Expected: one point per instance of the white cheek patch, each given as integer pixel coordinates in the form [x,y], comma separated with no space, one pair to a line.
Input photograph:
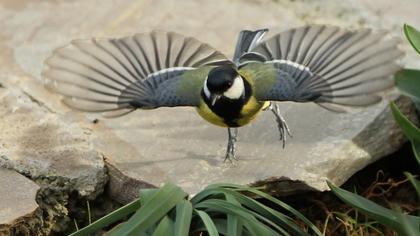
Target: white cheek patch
[206,90]
[236,90]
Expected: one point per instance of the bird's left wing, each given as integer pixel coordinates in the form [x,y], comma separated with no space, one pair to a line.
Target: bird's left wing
[326,65]
[116,76]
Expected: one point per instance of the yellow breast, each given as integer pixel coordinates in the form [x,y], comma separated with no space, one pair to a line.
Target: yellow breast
[248,113]
[250,110]
[206,113]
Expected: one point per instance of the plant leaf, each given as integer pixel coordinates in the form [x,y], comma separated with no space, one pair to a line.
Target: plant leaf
[389,218]
[147,194]
[112,230]
[183,218]
[153,210]
[413,36]
[408,128]
[415,144]
[208,192]
[414,182]
[234,226]
[165,227]
[254,226]
[215,188]
[265,212]
[211,228]
[199,227]
[408,82]
[109,219]
[288,208]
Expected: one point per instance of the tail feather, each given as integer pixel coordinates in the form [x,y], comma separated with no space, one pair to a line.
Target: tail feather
[247,40]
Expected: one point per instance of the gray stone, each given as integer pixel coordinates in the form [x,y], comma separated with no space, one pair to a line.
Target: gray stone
[175,144]
[155,147]
[53,151]
[47,147]
[18,207]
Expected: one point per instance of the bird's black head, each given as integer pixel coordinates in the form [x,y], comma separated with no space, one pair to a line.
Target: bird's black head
[223,82]
[221,78]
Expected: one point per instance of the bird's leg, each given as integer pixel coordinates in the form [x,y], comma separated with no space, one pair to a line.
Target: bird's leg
[231,145]
[281,123]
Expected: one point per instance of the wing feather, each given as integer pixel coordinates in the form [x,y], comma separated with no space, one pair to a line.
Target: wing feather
[120,75]
[326,64]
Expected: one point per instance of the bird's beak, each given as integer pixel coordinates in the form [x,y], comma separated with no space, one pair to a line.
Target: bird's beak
[214,98]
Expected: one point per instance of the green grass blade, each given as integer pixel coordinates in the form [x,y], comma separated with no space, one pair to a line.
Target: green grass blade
[220,224]
[234,226]
[207,193]
[415,144]
[414,182]
[254,190]
[235,187]
[210,227]
[254,226]
[153,210]
[408,227]
[413,36]
[221,228]
[381,214]
[269,214]
[165,227]
[287,208]
[109,219]
[110,232]
[183,218]
[147,194]
[408,82]
[408,128]
[275,228]
[377,212]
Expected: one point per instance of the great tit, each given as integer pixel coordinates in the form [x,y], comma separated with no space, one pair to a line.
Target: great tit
[327,65]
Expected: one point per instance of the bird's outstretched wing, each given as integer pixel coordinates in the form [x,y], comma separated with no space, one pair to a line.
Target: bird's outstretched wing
[326,65]
[117,76]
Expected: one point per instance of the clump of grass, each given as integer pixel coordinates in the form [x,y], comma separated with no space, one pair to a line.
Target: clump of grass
[222,209]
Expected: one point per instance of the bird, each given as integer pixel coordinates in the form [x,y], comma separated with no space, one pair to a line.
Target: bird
[332,67]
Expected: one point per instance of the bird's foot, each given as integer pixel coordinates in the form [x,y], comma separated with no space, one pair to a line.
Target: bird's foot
[231,146]
[281,123]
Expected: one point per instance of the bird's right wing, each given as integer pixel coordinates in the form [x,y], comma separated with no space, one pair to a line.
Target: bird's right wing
[117,76]
[326,65]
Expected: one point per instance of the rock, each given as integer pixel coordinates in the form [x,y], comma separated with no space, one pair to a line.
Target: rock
[54,152]
[175,145]
[45,147]
[189,152]
[19,212]
[122,188]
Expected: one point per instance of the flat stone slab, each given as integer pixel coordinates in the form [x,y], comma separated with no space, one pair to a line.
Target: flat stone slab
[178,146]
[46,147]
[17,198]
[175,144]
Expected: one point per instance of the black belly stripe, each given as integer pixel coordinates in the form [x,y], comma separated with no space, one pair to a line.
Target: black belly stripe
[230,109]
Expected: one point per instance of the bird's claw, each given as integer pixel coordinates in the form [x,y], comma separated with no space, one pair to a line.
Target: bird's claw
[281,123]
